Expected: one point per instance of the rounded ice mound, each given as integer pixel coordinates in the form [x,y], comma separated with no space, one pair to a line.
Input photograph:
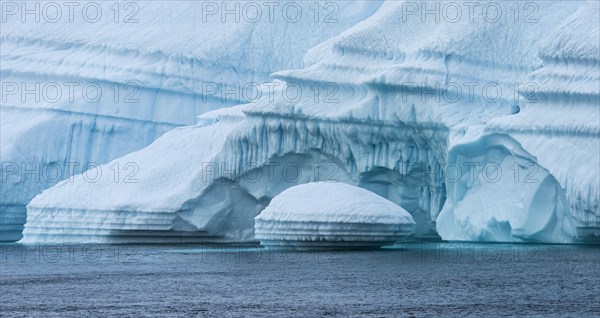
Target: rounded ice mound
[325,215]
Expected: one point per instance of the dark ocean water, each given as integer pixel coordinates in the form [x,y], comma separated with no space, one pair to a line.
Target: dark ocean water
[420,280]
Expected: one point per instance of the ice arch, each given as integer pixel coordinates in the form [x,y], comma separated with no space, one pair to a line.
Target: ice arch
[504,195]
[198,204]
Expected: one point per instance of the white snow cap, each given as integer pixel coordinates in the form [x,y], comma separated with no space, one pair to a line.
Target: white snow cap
[333,202]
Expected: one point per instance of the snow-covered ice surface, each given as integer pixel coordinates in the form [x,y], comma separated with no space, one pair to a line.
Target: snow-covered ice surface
[483,131]
[331,215]
[104,88]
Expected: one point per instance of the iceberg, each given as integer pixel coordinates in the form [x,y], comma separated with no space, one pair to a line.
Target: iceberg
[324,215]
[77,93]
[482,129]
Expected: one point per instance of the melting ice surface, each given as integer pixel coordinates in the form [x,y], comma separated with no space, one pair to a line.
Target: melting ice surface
[411,118]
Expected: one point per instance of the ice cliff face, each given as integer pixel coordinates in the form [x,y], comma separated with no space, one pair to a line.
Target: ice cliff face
[485,129]
[83,88]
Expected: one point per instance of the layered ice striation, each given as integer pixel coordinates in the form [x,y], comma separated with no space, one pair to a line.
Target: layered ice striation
[482,129]
[81,89]
[322,215]
[549,153]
